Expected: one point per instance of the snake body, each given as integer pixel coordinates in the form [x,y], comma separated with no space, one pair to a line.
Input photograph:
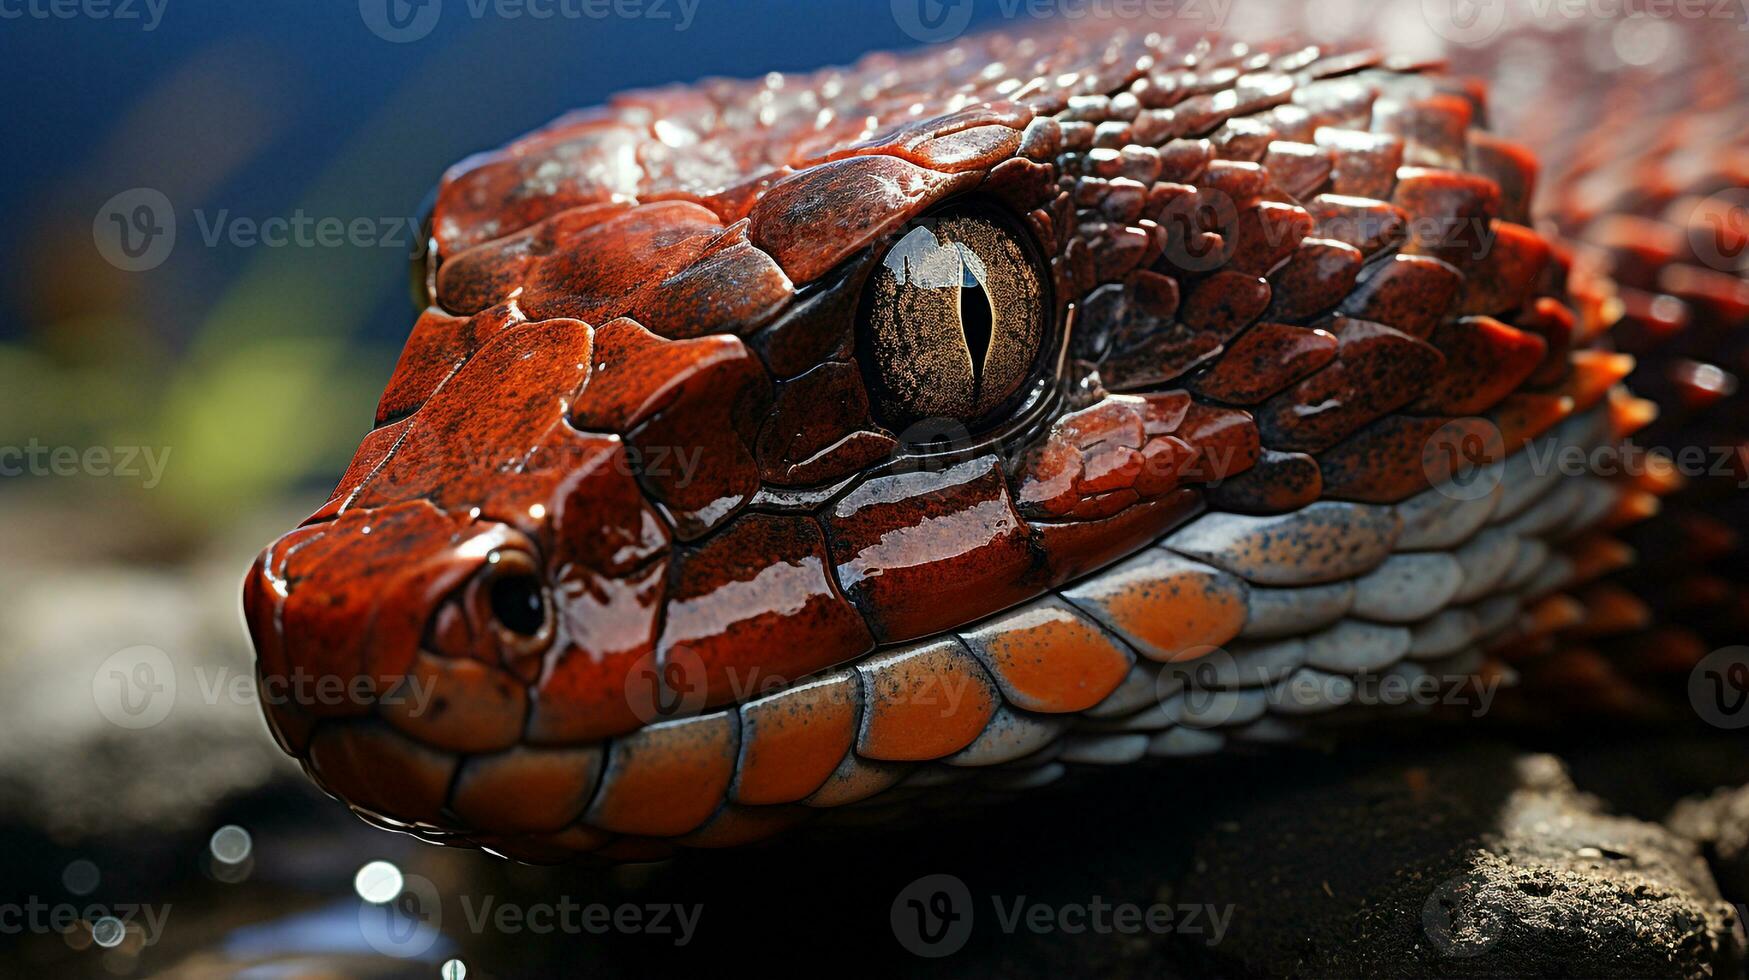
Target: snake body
[670,532]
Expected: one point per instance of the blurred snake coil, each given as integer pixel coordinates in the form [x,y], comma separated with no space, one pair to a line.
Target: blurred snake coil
[839,447]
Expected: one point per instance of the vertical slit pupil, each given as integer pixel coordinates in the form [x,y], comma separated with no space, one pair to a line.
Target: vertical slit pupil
[977,319]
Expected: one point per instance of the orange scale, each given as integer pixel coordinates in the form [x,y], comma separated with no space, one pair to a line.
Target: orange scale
[1593,374]
[525,790]
[793,740]
[1633,508]
[1596,555]
[1168,607]
[1485,360]
[856,779]
[1610,610]
[923,701]
[1628,414]
[666,779]
[1048,657]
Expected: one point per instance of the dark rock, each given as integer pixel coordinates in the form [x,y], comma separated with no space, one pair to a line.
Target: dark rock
[1482,862]
[1720,825]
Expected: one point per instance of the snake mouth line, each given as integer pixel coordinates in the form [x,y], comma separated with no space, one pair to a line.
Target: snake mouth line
[965,706]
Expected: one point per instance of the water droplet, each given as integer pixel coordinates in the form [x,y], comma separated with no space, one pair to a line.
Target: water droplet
[81,877]
[231,844]
[108,932]
[378,882]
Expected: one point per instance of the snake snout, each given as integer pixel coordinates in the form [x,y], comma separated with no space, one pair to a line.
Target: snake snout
[392,640]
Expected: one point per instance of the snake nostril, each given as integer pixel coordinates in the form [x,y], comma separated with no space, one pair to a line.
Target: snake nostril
[519,604]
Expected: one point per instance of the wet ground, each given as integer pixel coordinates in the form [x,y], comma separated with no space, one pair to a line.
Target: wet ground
[291,906]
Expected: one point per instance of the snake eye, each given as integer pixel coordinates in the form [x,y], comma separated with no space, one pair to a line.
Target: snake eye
[518,604]
[515,599]
[953,321]
[501,613]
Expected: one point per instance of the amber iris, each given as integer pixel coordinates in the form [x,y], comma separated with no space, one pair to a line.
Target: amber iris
[953,321]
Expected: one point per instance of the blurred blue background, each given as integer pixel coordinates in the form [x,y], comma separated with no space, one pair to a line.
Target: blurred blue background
[258,366]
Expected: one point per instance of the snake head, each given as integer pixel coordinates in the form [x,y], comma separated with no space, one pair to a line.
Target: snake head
[764,444]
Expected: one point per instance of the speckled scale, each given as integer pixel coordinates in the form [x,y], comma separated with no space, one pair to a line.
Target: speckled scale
[1314,279]
[1265,359]
[819,430]
[1376,370]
